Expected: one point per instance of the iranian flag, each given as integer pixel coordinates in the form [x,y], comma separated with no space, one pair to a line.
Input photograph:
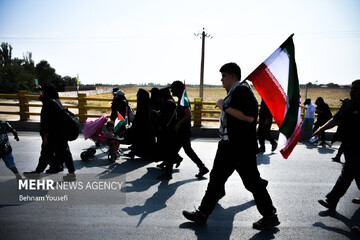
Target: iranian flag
[184,98]
[119,121]
[277,82]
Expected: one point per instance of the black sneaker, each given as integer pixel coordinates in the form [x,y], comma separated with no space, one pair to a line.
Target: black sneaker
[266,222]
[196,216]
[329,205]
[336,159]
[32,175]
[70,177]
[202,172]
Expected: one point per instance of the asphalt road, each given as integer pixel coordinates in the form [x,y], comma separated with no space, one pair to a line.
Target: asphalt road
[151,209]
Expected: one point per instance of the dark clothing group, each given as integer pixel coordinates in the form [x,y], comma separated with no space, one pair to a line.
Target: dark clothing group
[153,135]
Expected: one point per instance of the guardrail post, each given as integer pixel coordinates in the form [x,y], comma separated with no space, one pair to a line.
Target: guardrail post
[23,105]
[197,112]
[82,107]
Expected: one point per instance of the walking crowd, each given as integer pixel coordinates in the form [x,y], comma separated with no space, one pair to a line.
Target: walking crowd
[161,127]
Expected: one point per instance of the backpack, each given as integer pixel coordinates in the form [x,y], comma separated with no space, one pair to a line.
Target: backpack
[70,124]
[131,114]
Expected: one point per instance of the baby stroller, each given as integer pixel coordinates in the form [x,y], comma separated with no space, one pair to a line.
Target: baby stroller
[93,130]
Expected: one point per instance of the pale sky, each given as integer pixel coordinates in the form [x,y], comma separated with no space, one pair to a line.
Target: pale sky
[143,41]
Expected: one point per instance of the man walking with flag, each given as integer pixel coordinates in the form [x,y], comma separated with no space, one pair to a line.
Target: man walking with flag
[236,150]
[183,126]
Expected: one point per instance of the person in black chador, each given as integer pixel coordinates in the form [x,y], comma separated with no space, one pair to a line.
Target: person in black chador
[55,150]
[167,150]
[143,138]
[236,150]
[265,122]
[155,102]
[119,104]
[183,128]
[323,115]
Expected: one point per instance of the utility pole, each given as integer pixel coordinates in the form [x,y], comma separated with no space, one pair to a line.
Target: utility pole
[202,35]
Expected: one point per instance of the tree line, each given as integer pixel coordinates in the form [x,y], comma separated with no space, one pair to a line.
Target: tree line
[20,74]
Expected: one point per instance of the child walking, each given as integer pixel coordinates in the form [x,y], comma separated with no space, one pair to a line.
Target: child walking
[5,147]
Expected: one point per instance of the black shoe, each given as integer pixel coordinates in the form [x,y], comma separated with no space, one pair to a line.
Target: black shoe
[329,205]
[336,159]
[196,216]
[54,170]
[70,177]
[32,175]
[356,200]
[202,172]
[266,222]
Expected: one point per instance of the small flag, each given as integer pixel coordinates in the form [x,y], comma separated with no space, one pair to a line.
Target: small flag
[119,121]
[184,99]
[77,83]
[277,82]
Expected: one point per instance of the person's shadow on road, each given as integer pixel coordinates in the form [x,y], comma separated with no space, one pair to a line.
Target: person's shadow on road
[224,224]
[157,201]
[348,222]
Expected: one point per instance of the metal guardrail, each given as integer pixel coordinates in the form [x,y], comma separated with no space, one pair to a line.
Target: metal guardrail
[202,111]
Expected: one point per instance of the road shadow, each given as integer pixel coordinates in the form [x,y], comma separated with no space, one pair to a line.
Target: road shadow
[220,224]
[157,201]
[263,159]
[123,167]
[12,195]
[349,222]
[145,182]
[322,149]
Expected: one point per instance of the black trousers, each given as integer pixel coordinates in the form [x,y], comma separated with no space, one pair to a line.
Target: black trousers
[264,134]
[55,153]
[350,172]
[185,143]
[227,160]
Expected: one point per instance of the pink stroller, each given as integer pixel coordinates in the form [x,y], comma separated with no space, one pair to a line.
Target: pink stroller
[93,130]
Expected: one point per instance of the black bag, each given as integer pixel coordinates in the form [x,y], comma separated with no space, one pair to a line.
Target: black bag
[70,124]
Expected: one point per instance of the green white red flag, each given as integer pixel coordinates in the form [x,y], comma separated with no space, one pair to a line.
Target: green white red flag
[184,99]
[119,121]
[277,82]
